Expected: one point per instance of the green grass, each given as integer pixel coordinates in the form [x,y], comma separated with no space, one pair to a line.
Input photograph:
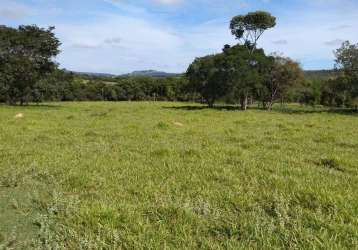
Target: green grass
[166,176]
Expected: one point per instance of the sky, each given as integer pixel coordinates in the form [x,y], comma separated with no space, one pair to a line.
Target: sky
[120,36]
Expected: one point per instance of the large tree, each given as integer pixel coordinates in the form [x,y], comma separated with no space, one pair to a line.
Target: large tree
[206,77]
[243,77]
[26,56]
[248,29]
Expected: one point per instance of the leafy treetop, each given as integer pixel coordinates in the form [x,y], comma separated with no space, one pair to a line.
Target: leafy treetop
[249,28]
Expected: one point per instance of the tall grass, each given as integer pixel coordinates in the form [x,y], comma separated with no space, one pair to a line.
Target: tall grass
[171,175]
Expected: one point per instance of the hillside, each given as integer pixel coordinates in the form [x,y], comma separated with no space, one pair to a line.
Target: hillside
[318,74]
[151,73]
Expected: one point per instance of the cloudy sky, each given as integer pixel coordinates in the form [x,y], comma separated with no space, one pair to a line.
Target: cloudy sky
[119,36]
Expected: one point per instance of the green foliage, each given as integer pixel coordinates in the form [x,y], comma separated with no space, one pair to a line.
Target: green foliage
[319,75]
[347,59]
[238,74]
[250,27]
[26,55]
[282,75]
[347,65]
[62,85]
[309,93]
[337,88]
[207,76]
[124,176]
[245,71]
[335,92]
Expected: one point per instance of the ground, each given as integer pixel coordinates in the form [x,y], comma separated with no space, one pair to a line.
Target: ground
[177,176]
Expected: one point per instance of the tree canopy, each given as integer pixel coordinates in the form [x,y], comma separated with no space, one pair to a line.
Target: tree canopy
[26,56]
[250,27]
[206,76]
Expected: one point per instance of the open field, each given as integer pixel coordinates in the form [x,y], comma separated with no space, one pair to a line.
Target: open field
[173,175]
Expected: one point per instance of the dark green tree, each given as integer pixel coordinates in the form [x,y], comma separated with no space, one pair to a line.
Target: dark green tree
[336,92]
[26,56]
[242,76]
[248,29]
[206,76]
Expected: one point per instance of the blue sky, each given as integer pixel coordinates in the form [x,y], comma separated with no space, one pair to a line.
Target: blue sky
[119,36]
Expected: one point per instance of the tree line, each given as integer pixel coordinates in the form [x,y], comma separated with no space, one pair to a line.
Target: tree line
[62,85]
[244,74]
[241,74]
[28,73]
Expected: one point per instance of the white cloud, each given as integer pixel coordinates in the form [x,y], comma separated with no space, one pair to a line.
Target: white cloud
[121,44]
[114,41]
[168,2]
[13,10]
[169,34]
[310,33]
[280,42]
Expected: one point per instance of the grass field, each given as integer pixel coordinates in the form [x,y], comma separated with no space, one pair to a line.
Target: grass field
[177,176]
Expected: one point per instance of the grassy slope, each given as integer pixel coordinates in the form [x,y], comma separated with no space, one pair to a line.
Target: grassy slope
[123,175]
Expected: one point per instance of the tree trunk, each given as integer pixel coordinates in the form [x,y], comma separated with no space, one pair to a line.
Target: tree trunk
[243,102]
[211,103]
[264,104]
[251,100]
[270,103]
[10,100]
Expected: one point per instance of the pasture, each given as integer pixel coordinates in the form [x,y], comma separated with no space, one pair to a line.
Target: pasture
[176,175]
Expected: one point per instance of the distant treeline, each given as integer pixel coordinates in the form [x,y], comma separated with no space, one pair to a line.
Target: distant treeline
[66,86]
[318,88]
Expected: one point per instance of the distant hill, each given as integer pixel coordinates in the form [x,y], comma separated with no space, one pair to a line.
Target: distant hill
[151,73]
[319,74]
[91,74]
[309,74]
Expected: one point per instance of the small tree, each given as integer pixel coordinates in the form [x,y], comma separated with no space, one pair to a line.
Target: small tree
[26,56]
[283,74]
[347,59]
[336,92]
[347,66]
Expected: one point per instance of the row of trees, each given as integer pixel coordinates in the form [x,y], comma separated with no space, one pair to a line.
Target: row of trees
[61,85]
[243,73]
[28,73]
[335,88]
[240,74]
